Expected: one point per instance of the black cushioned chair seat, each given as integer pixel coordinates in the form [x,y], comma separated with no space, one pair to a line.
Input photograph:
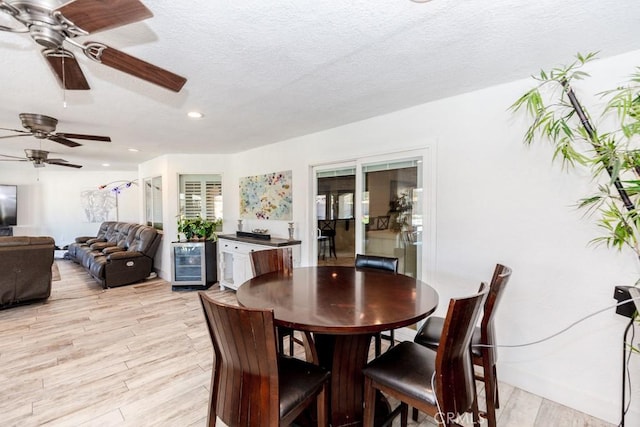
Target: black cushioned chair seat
[298,380]
[397,368]
[429,335]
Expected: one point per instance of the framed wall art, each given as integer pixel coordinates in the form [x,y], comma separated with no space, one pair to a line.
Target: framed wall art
[266,196]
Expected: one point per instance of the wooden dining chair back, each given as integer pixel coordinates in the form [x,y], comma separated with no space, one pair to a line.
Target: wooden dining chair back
[251,385]
[483,343]
[440,383]
[386,264]
[270,260]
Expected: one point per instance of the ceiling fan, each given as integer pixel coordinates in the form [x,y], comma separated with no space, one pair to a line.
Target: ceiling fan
[39,158]
[50,24]
[43,127]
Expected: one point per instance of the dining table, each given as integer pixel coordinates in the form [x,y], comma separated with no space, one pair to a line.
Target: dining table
[343,308]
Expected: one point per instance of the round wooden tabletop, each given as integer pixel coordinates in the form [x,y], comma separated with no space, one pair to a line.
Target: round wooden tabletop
[340,300]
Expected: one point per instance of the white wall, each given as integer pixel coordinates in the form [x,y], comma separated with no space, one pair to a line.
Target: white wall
[49,202]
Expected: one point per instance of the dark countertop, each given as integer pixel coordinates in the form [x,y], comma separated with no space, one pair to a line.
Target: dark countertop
[274,241]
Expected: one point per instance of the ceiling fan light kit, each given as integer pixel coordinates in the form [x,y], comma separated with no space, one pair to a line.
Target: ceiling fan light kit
[51,25]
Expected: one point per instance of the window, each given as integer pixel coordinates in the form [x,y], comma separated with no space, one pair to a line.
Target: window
[153,202]
[201,195]
[321,206]
[345,205]
[336,194]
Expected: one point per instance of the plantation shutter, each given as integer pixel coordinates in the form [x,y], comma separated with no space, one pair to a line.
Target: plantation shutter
[192,199]
[213,200]
[201,196]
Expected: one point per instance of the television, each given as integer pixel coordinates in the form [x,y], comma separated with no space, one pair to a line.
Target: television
[8,205]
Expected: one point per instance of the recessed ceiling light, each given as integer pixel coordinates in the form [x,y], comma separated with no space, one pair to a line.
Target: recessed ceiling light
[195,114]
[106,165]
[133,150]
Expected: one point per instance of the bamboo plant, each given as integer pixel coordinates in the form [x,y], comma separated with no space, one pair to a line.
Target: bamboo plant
[612,153]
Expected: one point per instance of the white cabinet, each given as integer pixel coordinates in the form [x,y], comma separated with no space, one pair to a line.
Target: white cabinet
[234,261]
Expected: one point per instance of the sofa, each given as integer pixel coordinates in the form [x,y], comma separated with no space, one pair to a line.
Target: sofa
[25,263]
[119,254]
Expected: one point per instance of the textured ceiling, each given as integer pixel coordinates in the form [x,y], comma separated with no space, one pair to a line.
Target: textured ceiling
[263,71]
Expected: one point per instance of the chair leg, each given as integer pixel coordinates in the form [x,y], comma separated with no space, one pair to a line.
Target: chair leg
[414,414]
[369,402]
[476,413]
[392,336]
[322,406]
[291,342]
[495,383]
[404,412]
[378,343]
[491,394]
[332,247]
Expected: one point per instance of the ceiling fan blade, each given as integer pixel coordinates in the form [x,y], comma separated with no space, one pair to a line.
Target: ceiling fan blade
[14,136]
[98,15]
[60,162]
[88,137]
[66,68]
[17,130]
[12,158]
[63,141]
[134,66]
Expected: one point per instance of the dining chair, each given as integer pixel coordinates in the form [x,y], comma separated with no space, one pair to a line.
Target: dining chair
[327,228]
[251,384]
[483,342]
[379,263]
[440,383]
[268,261]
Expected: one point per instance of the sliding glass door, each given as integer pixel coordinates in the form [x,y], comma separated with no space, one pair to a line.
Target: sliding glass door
[392,212]
[370,206]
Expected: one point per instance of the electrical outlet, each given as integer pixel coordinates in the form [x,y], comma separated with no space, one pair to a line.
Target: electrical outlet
[621,293]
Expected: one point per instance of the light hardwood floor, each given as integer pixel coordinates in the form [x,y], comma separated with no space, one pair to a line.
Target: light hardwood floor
[140,355]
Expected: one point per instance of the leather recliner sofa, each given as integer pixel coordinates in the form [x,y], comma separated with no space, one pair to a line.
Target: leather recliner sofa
[120,254]
[25,263]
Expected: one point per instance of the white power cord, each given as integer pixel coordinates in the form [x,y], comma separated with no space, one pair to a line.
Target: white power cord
[562,330]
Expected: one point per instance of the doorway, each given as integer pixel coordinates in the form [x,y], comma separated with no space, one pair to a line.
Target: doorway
[335,214]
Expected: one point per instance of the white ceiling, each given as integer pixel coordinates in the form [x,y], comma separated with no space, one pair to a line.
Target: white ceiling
[264,71]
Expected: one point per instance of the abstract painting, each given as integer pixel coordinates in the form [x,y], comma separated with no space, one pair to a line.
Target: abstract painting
[266,196]
[98,205]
